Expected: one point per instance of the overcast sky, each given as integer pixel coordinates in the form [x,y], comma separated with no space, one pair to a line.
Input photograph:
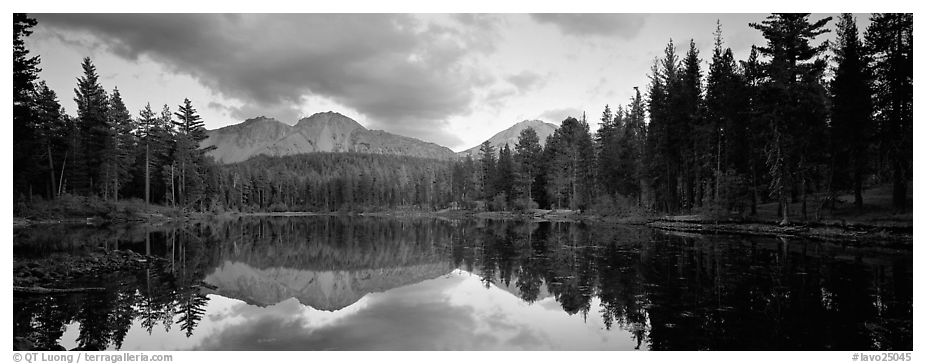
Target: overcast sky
[450,79]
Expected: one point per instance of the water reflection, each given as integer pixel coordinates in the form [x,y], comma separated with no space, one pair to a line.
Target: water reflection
[351,283]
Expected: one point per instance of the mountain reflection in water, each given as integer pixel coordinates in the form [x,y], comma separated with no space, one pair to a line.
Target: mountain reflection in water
[359,283]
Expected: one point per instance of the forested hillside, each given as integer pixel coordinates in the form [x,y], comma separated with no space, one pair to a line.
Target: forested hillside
[786,123]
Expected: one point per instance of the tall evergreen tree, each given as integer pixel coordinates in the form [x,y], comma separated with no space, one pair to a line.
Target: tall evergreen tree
[658,152]
[487,164]
[94,130]
[725,124]
[166,155]
[890,42]
[25,73]
[528,161]
[757,130]
[687,107]
[608,148]
[630,161]
[190,157]
[51,132]
[147,122]
[793,99]
[504,174]
[117,157]
[851,114]
[569,157]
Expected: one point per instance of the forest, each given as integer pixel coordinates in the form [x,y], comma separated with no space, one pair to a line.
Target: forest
[797,120]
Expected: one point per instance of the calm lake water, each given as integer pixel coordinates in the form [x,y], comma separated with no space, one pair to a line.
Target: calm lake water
[361,283]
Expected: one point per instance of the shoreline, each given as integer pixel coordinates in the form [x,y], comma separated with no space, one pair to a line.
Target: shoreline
[895,234]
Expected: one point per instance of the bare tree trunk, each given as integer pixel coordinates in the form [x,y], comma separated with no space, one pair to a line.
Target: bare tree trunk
[784,205]
[804,198]
[173,196]
[61,179]
[717,178]
[51,173]
[183,180]
[755,191]
[858,192]
[147,175]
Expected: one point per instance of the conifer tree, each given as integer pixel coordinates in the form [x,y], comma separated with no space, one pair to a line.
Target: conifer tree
[147,123]
[725,125]
[630,162]
[94,130]
[25,73]
[687,107]
[504,174]
[190,157]
[528,160]
[51,135]
[608,148]
[889,40]
[851,114]
[117,157]
[793,99]
[487,163]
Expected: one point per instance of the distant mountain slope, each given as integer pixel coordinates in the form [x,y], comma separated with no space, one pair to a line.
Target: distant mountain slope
[510,136]
[321,132]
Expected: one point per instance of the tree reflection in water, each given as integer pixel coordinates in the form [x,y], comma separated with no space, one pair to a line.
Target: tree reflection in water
[670,292]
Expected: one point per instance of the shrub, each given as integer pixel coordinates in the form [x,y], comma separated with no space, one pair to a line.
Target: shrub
[524,204]
[278,207]
[499,202]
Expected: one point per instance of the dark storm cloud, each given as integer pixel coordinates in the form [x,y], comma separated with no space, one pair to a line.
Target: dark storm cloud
[393,68]
[522,82]
[497,97]
[622,25]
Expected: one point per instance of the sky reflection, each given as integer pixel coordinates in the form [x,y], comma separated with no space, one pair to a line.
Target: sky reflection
[452,312]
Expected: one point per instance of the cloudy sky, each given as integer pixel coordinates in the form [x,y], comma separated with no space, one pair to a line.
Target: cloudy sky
[452,79]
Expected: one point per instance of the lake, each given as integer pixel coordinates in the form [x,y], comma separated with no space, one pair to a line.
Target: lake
[365,283]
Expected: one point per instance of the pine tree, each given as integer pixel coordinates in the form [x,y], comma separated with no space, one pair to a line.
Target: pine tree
[608,149]
[94,130]
[528,160]
[725,125]
[890,42]
[793,99]
[665,137]
[191,159]
[487,170]
[851,114]
[658,149]
[166,139]
[569,156]
[504,179]
[51,132]
[25,73]
[756,127]
[117,157]
[147,123]
[630,160]
[687,108]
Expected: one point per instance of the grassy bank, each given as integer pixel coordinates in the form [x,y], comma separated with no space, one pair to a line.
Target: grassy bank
[79,209]
[875,223]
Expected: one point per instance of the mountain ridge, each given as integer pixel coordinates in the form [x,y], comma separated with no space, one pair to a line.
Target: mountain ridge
[321,132]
